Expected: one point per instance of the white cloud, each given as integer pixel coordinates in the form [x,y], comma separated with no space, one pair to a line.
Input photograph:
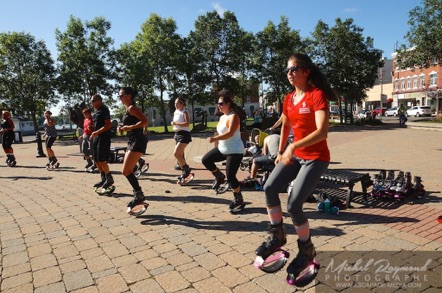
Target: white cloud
[219,9]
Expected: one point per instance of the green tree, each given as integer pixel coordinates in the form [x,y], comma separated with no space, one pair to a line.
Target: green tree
[424,36]
[86,60]
[159,44]
[347,59]
[26,75]
[191,82]
[275,44]
[133,70]
[217,41]
[246,77]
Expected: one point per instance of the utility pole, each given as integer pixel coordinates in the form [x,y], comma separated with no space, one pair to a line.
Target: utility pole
[381,67]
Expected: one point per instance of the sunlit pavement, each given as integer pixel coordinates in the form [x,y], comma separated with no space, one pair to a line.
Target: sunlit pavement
[58,235]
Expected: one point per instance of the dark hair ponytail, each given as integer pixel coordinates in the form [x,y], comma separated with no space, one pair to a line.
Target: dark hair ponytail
[316,78]
[228,98]
[130,91]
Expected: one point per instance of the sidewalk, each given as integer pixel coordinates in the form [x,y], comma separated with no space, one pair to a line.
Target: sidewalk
[58,235]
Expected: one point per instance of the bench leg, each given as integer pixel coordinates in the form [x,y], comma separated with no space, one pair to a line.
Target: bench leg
[364,190]
[349,195]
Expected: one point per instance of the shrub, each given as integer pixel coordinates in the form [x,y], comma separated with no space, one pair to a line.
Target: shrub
[437,119]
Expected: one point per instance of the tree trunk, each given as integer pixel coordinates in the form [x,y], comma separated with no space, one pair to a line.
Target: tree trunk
[163,112]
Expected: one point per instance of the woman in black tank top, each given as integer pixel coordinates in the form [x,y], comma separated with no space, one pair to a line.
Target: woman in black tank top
[134,122]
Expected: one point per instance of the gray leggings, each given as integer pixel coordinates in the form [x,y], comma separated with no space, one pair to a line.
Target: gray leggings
[306,175]
[86,145]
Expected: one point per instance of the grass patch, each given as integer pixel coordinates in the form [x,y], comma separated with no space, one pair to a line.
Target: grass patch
[211,126]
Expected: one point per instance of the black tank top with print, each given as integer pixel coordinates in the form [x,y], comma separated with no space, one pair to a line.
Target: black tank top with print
[132,120]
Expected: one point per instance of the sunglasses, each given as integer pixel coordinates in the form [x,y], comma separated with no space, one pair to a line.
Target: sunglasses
[221,104]
[291,69]
[93,101]
[122,96]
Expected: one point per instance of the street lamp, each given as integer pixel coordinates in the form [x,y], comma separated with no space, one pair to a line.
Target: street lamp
[381,67]
[172,101]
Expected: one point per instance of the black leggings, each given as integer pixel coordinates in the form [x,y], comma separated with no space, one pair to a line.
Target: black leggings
[232,164]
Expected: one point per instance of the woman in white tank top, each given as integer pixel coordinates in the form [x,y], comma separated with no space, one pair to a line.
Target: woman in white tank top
[230,148]
[180,123]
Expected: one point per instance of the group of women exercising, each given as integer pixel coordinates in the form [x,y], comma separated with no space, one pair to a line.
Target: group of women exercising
[305,113]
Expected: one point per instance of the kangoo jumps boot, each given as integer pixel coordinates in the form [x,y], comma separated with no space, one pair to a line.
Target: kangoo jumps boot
[137,206]
[304,258]
[276,240]
[237,203]
[138,199]
[219,179]
[100,183]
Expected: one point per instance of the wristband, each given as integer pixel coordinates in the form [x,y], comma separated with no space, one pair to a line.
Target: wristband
[280,152]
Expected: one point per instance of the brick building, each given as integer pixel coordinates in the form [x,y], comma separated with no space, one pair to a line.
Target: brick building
[418,87]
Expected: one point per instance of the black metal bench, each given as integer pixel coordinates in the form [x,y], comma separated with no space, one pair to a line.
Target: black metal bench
[117,154]
[67,135]
[348,179]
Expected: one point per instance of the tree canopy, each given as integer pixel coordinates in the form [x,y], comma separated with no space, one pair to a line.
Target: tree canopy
[424,37]
[85,60]
[347,58]
[26,75]
[217,54]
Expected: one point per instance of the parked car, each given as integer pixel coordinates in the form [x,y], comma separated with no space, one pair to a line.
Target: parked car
[380,112]
[418,111]
[363,114]
[391,112]
[334,112]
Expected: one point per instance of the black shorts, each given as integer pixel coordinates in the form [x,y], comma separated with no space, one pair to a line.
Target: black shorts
[137,145]
[8,138]
[50,141]
[183,136]
[101,148]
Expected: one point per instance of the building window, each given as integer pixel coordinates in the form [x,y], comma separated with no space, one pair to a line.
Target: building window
[396,84]
[433,79]
[408,82]
[422,80]
[402,84]
[415,82]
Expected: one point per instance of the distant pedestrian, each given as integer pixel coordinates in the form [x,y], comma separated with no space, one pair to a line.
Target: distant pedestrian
[7,131]
[50,136]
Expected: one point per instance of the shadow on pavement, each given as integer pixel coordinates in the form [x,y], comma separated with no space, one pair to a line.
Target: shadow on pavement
[233,225]
[26,177]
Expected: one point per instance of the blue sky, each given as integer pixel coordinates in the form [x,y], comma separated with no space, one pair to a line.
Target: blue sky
[385,21]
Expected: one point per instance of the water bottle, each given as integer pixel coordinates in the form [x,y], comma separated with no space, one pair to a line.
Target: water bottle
[334,210]
[327,205]
[247,144]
